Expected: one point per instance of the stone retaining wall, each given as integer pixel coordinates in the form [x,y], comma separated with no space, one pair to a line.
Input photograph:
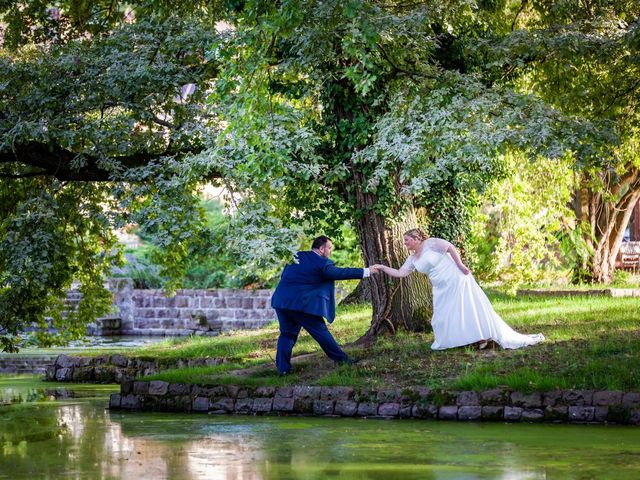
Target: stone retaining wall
[11,363]
[187,312]
[574,406]
[198,312]
[114,368]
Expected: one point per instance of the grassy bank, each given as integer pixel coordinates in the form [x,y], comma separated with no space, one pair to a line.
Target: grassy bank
[592,343]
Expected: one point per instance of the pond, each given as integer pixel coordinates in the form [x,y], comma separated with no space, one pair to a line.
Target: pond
[51,432]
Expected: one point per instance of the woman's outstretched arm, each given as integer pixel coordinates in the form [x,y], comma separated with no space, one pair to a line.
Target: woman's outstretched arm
[392,272]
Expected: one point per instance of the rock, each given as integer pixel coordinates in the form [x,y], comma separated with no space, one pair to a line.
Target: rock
[126,387]
[367,409]
[104,374]
[130,402]
[119,360]
[262,405]
[495,396]
[532,415]
[140,388]
[284,392]
[179,403]
[512,414]
[200,404]
[303,391]
[558,413]
[552,398]
[581,414]
[283,404]
[424,410]
[303,405]
[345,408]
[323,407]
[389,409]
[266,392]
[65,361]
[467,399]
[470,412]
[600,414]
[243,405]
[491,412]
[336,393]
[158,387]
[448,412]
[578,398]
[224,404]
[607,398]
[405,411]
[114,401]
[631,400]
[64,374]
[82,374]
[531,400]
[179,389]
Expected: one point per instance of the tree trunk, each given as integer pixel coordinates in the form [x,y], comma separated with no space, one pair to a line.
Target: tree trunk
[397,303]
[360,294]
[607,215]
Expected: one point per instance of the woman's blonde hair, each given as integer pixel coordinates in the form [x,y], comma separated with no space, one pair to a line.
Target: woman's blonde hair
[416,233]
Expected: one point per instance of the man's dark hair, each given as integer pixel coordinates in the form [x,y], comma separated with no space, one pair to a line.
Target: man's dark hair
[320,241]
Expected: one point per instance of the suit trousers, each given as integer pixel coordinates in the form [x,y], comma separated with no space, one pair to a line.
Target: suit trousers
[291,321]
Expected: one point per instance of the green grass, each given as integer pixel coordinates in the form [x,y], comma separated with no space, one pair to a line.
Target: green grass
[592,343]
[621,279]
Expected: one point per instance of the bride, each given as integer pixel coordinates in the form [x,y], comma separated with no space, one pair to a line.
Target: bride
[462,313]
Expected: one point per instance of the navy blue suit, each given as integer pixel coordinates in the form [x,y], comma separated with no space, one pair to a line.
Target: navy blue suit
[304,295]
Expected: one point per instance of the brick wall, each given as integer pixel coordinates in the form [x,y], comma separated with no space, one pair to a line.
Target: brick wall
[188,312]
[200,312]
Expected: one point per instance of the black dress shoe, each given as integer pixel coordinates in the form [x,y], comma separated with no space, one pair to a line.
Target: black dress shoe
[348,361]
[284,374]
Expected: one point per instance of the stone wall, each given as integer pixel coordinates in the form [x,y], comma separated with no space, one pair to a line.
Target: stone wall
[188,312]
[199,312]
[114,368]
[573,406]
[15,363]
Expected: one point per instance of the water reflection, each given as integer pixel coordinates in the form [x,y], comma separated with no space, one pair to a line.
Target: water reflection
[76,437]
[114,341]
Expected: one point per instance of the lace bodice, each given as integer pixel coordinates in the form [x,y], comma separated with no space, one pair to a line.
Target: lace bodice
[433,250]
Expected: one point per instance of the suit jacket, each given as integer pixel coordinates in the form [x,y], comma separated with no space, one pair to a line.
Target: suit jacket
[308,285]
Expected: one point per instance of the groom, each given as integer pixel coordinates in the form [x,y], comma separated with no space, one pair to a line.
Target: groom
[304,296]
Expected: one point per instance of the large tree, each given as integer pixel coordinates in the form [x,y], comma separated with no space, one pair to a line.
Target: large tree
[310,113]
[360,110]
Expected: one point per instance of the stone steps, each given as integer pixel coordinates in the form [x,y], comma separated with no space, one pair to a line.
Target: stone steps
[21,364]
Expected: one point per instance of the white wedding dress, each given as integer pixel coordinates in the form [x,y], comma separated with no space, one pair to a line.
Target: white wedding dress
[462,313]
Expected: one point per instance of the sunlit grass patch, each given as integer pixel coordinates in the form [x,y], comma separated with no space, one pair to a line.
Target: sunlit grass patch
[343,375]
[592,343]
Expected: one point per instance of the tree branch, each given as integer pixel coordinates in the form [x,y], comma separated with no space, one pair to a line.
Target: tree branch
[16,176]
[515,19]
[411,73]
[618,95]
[55,161]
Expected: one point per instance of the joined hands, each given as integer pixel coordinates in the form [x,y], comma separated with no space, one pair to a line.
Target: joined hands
[377,268]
